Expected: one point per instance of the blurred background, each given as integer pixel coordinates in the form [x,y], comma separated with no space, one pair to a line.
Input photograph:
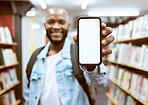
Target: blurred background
[129,20]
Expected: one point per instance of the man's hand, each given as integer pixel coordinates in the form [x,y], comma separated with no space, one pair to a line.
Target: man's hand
[106,39]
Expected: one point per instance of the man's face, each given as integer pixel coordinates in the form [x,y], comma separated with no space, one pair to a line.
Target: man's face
[56,25]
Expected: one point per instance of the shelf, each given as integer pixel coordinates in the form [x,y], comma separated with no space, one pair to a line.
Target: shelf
[135,41]
[7,45]
[130,66]
[17,102]
[126,91]
[111,98]
[8,66]
[7,89]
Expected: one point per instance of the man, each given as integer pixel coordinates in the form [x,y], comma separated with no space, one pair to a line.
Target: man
[52,81]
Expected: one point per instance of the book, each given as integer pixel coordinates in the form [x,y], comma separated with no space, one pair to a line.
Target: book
[133,85]
[120,74]
[137,27]
[145,59]
[144,90]
[7,35]
[2,35]
[8,98]
[121,98]
[13,76]
[145,26]
[1,57]
[8,78]
[124,55]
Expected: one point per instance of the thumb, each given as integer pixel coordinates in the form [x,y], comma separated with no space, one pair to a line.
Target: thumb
[75,38]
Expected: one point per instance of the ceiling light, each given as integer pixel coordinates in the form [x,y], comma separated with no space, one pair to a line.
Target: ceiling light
[42,4]
[113,13]
[30,13]
[84,4]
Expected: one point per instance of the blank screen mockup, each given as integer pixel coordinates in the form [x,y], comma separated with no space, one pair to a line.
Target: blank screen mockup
[89,41]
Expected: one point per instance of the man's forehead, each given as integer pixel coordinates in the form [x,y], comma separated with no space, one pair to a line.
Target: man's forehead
[57,12]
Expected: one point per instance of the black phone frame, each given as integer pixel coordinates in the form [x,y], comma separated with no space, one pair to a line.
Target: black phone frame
[100,41]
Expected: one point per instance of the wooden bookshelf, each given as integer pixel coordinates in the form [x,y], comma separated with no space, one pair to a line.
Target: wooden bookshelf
[7,89]
[8,66]
[141,40]
[112,99]
[17,102]
[144,71]
[7,45]
[127,92]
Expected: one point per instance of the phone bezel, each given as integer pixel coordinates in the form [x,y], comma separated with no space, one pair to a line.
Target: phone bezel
[100,41]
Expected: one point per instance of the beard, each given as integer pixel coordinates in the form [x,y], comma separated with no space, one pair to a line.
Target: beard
[56,42]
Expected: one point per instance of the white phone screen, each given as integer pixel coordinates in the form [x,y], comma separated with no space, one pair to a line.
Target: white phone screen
[89,41]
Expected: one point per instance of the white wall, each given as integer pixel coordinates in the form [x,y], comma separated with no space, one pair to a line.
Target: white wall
[38,39]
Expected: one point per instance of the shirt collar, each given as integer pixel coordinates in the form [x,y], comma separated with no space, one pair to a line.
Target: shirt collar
[64,54]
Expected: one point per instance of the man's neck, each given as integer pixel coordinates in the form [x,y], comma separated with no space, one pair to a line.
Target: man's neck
[53,49]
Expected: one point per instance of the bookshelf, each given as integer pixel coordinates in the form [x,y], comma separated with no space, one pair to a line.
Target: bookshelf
[6,69]
[141,40]
[11,13]
[7,66]
[8,89]
[8,45]
[128,64]
[17,102]
[127,92]
[132,68]
[111,98]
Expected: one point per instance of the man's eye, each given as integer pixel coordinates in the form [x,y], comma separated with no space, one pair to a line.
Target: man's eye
[62,22]
[50,22]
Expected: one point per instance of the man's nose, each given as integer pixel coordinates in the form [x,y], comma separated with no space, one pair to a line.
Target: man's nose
[56,26]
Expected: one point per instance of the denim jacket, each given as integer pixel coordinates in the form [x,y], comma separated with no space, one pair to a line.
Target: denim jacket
[70,91]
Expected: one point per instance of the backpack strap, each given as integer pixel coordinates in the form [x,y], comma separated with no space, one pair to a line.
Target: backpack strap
[31,63]
[78,72]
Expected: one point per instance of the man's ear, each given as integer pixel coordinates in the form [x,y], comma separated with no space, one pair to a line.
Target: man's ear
[45,25]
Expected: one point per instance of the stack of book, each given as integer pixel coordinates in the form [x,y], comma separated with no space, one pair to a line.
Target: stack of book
[8,78]
[131,55]
[133,83]
[120,97]
[7,56]
[5,35]
[133,29]
[8,98]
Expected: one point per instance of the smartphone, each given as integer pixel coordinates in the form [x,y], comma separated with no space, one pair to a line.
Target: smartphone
[89,41]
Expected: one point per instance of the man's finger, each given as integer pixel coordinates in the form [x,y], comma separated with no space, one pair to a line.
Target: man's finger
[108,40]
[106,51]
[103,25]
[75,38]
[106,32]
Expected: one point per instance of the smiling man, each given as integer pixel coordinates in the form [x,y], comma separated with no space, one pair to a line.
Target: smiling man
[52,81]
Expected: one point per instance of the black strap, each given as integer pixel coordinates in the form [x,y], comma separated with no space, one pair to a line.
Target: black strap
[76,69]
[31,63]
[78,72]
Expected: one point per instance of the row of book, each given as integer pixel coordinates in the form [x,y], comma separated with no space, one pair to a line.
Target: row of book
[133,29]
[7,56]
[120,97]
[8,78]
[131,55]
[5,35]
[8,98]
[136,84]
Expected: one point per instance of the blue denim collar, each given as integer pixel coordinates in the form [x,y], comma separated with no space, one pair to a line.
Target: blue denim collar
[65,50]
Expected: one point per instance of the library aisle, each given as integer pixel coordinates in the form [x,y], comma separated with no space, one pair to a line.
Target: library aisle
[22,31]
[128,64]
